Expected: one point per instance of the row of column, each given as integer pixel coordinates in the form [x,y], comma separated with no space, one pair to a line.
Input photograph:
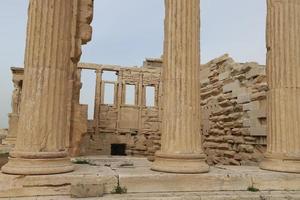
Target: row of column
[40,147]
[181,143]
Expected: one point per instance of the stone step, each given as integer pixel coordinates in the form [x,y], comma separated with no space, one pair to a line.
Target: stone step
[274,195]
[140,179]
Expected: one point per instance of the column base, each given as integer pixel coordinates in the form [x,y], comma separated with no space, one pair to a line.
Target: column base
[23,166]
[280,165]
[180,163]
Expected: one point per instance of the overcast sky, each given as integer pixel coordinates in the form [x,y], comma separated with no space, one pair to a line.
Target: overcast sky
[127,31]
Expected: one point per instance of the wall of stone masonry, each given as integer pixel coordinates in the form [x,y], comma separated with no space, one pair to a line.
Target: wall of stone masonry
[233,111]
[3,134]
[137,126]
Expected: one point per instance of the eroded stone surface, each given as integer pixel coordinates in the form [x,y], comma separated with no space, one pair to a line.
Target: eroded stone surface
[136,126]
[181,147]
[283,152]
[18,76]
[85,190]
[233,111]
[141,179]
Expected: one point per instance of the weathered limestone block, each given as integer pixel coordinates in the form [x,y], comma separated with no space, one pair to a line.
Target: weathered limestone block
[246,148]
[3,134]
[79,129]
[83,17]
[13,117]
[82,190]
[243,98]
[231,115]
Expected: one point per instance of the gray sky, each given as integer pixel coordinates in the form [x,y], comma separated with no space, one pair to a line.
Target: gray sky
[127,31]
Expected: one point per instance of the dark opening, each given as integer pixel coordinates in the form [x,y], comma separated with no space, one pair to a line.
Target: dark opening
[118,149]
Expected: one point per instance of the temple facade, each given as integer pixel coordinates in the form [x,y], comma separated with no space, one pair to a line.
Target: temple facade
[178,130]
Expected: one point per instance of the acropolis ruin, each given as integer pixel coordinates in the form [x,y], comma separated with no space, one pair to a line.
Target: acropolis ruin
[172,128]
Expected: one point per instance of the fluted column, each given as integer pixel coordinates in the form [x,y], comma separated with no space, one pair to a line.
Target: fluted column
[283,66]
[181,150]
[42,128]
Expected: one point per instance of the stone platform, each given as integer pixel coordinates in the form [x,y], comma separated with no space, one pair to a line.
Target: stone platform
[4,152]
[135,175]
[231,195]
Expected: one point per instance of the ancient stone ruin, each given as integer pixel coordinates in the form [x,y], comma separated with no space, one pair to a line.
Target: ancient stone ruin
[200,119]
[233,112]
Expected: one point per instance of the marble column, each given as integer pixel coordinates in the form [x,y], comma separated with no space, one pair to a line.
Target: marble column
[42,128]
[283,70]
[181,149]
[98,100]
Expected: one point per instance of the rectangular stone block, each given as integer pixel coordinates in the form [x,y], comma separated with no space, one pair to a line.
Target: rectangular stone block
[247,107]
[87,190]
[4,152]
[243,98]
[224,75]
[231,86]
[247,123]
[256,71]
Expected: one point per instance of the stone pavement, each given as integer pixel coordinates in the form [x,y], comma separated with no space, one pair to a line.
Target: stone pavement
[141,183]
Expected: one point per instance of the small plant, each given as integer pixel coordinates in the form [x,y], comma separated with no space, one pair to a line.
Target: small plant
[252,189]
[119,190]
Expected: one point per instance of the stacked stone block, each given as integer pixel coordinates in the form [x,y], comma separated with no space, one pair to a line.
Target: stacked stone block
[234,111]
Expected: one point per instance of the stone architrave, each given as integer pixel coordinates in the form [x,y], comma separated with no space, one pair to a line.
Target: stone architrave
[181,148]
[52,52]
[283,72]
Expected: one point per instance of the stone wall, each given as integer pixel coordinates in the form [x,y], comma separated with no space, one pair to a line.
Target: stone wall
[13,117]
[3,134]
[233,111]
[135,125]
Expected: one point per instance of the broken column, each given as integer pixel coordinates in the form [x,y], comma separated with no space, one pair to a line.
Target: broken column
[181,148]
[51,56]
[283,68]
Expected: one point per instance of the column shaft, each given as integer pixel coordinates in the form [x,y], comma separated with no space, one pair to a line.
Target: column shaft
[42,128]
[283,70]
[181,137]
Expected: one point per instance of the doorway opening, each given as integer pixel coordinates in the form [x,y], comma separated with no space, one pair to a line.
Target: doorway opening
[118,149]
